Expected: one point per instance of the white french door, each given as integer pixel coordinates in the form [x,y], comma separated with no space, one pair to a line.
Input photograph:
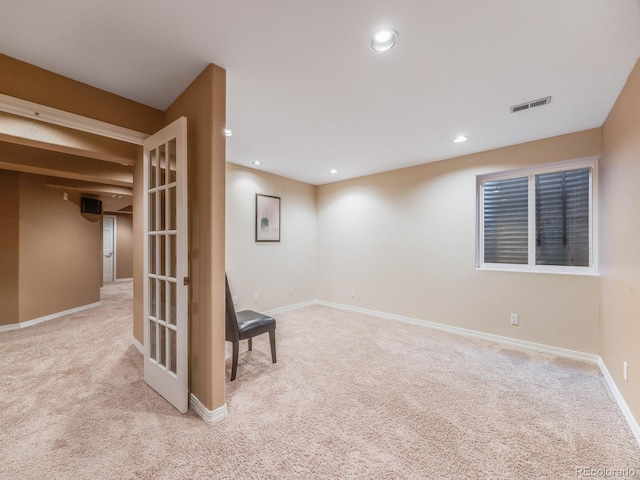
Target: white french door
[166,290]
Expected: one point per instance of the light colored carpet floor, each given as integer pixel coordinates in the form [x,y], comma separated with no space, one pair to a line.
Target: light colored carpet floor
[351,396]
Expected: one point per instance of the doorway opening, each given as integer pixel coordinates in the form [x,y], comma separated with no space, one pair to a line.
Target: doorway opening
[109,225]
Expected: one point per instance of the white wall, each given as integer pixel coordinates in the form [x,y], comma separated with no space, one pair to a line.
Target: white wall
[405,241]
[269,269]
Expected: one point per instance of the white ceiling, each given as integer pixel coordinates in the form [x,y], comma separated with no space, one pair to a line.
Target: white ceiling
[306,93]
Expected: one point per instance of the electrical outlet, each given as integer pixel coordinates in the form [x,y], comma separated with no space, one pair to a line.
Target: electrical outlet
[255,298]
[515,319]
[625,370]
[353,292]
[290,290]
[235,300]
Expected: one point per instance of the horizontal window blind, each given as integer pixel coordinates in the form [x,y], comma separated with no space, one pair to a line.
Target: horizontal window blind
[506,221]
[562,218]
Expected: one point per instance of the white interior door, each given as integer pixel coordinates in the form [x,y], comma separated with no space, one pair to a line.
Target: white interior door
[166,263]
[108,248]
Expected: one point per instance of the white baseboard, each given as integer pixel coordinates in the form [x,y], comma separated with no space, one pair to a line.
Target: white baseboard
[117,280]
[46,318]
[137,344]
[635,428]
[539,347]
[295,306]
[209,416]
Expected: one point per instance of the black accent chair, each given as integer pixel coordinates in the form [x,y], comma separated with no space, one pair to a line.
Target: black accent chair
[245,325]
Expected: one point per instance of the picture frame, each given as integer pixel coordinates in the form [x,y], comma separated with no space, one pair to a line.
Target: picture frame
[267,218]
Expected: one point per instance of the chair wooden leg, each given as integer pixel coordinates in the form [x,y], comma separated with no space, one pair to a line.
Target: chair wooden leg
[272,341]
[234,361]
[250,344]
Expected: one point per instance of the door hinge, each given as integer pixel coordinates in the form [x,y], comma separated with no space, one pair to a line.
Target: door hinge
[187,281]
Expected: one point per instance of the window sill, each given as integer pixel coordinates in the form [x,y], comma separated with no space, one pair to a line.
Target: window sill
[587,272]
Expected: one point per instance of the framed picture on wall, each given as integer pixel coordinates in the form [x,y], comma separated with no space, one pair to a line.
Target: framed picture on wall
[267,218]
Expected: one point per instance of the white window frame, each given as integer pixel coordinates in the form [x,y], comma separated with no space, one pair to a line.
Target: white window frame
[531,172]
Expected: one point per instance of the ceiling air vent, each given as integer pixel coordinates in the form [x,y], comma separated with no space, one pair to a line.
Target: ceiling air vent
[531,104]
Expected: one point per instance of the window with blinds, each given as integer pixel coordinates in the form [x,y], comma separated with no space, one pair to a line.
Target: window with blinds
[506,221]
[538,220]
[562,218]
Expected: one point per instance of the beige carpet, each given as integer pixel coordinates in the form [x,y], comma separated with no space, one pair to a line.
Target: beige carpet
[351,397]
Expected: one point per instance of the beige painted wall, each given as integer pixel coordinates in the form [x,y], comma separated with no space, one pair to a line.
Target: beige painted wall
[405,241]
[619,241]
[9,246]
[138,246]
[269,269]
[60,252]
[124,246]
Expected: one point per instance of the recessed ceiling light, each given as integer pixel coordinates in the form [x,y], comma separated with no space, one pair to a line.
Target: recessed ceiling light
[333,170]
[257,163]
[384,40]
[228,133]
[460,139]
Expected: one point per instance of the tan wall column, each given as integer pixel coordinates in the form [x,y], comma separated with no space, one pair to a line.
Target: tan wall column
[204,105]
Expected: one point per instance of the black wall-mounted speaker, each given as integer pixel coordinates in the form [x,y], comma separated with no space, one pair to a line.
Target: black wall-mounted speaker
[91,205]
